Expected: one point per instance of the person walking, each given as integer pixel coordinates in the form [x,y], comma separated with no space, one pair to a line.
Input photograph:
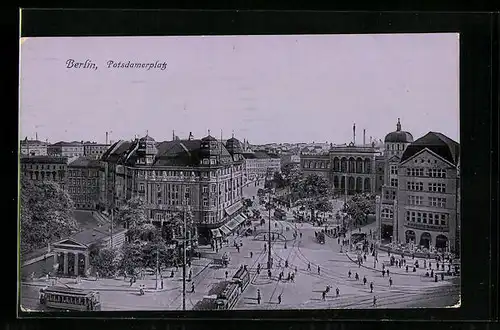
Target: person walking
[387,272]
[192,287]
[371,287]
[364,280]
[356,277]
[337,291]
[279,299]
[227,273]
[383,272]
[349,274]
[309,266]
[390,281]
[374,301]
[251,254]
[323,295]
[258,296]
[319,270]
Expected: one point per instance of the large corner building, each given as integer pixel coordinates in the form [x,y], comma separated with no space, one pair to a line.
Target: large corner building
[202,175]
[420,200]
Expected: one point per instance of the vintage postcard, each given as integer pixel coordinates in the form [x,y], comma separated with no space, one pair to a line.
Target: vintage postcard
[239,172]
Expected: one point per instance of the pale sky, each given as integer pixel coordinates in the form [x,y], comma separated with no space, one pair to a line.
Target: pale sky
[264,88]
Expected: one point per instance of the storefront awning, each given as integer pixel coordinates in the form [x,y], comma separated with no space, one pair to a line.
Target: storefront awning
[225,231]
[233,208]
[215,233]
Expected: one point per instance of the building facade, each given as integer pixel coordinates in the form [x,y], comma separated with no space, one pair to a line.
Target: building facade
[395,144]
[84,183]
[350,167]
[33,148]
[204,176]
[259,164]
[70,150]
[423,209]
[45,168]
[94,150]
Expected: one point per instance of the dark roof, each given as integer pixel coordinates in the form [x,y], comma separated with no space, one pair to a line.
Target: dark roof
[261,155]
[401,137]
[94,235]
[437,143]
[233,145]
[44,160]
[209,138]
[249,155]
[84,162]
[23,142]
[398,135]
[146,138]
[63,143]
[116,150]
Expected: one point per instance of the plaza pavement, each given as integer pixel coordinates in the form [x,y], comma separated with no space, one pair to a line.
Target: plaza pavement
[408,289]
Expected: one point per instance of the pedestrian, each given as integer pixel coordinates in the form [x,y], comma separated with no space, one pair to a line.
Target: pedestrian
[364,280]
[383,272]
[435,278]
[190,274]
[407,268]
[269,273]
[323,294]
[258,296]
[390,281]
[292,277]
[192,287]
[414,269]
[432,273]
[308,266]
[337,291]
[442,276]
[371,287]
[349,274]
[356,277]
[300,234]
[374,301]
[279,299]
[226,273]
[265,245]
[161,283]
[279,277]
[251,254]
[387,272]
[295,269]
[319,270]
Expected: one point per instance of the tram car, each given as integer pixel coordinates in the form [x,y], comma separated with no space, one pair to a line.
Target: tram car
[228,298]
[222,260]
[242,277]
[70,299]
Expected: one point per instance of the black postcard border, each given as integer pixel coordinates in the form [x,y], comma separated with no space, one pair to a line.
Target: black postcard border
[478,124]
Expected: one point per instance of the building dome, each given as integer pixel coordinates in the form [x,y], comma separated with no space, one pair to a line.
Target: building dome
[146,138]
[233,145]
[208,138]
[147,145]
[398,136]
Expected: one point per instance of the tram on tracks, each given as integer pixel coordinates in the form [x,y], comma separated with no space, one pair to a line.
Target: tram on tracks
[71,299]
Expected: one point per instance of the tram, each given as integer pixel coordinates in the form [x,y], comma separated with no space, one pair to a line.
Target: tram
[72,299]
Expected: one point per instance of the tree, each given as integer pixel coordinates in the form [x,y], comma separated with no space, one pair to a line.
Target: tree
[308,190]
[133,216]
[323,205]
[105,263]
[359,206]
[46,214]
[278,180]
[132,258]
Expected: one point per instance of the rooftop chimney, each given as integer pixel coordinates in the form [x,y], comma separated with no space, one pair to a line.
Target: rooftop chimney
[354,134]
[364,136]
[106,138]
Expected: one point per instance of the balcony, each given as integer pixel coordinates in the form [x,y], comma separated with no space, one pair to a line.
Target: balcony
[426,226]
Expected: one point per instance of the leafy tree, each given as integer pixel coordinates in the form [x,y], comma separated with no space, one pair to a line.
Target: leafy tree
[46,214]
[133,216]
[359,206]
[105,263]
[279,180]
[132,258]
[308,190]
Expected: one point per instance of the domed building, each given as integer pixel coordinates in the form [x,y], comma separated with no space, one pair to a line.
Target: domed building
[396,142]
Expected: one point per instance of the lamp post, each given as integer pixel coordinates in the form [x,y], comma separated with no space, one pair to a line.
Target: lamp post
[269,234]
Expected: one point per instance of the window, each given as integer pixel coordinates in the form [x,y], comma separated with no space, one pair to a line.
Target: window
[394,182]
[205,189]
[205,202]
[416,186]
[436,173]
[415,200]
[387,214]
[437,187]
[394,169]
[443,219]
[141,187]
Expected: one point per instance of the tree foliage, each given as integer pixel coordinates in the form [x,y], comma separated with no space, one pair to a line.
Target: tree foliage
[279,180]
[359,206]
[46,214]
[105,263]
[311,192]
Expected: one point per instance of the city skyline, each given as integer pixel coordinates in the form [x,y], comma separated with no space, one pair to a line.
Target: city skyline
[313,88]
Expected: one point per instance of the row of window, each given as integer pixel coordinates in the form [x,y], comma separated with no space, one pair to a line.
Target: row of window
[427,217]
[83,181]
[82,189]
[84,173]
[432,201]
[431,186]
[205,174]
[430,172]
[42,167]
